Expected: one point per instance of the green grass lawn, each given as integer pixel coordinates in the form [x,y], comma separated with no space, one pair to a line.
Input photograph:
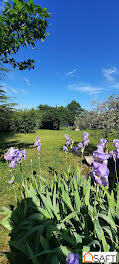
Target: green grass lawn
[51,156]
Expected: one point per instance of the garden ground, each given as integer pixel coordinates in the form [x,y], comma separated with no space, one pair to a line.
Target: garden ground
[51,156]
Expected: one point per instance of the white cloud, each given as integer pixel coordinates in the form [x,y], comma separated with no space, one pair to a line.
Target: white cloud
[115,85]
[86,89]
[23,91]
[27,81]
[9,90]
[13,90]
[71,73]
[109,72]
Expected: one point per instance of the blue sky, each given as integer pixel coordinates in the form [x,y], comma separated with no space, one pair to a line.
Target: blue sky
[78,61]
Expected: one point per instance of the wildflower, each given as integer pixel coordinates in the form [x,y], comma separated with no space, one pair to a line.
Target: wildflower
[80,145]
[67,140]
[72,258]
[14,156]
[85,138]
[65,148]
[115,153]
[24,154]
[12,180]
[85,134]
[12,164]
[112,154]
[100,155]
[66,136]
[86,142]
[100,171]
[37,143]
[99,180]
[74,150]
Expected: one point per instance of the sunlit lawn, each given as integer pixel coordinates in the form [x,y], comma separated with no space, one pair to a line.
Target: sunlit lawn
[51,156]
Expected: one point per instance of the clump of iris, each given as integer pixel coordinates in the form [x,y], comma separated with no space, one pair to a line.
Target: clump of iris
[72,258]
[14,156]
[100,171]
[115,153]
[37,143]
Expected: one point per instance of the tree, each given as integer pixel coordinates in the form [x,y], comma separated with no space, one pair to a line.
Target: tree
[51,118]
[105,117]
[22,24]
[74,109]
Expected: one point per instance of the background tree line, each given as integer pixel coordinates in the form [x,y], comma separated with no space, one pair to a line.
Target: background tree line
[44,117]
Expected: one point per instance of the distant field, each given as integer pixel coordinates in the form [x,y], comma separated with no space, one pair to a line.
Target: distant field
[51,156]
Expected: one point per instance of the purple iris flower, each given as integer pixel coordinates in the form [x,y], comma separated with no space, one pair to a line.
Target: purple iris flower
[12,164]
[10,154]
[74,150]
[99,180]
[115,141]
[100,147]
[100,155]
[85,138]
[37,143]
[85,134]
[66,137]
[80,145]
[65,148]
[14,156]
[103,141]
[112,154]
[24,153]
[86,142]
[100,169]
[72,258]
[11,181]
[67,142]
[115,153]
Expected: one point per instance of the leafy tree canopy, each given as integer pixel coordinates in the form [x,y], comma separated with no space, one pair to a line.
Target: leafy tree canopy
[74,109]
[22,23]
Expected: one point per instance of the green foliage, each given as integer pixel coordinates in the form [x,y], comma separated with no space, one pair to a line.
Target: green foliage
[53,117]
[104,117]
[22,23]
[19,121]
[23,121]
[73,109]
[66,215]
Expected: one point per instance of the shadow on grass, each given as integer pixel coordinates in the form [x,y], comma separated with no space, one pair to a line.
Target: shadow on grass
[5,144]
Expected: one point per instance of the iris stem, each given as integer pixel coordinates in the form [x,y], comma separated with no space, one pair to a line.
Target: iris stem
[116,170]
[21,172]
[67,164]
[14,190]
